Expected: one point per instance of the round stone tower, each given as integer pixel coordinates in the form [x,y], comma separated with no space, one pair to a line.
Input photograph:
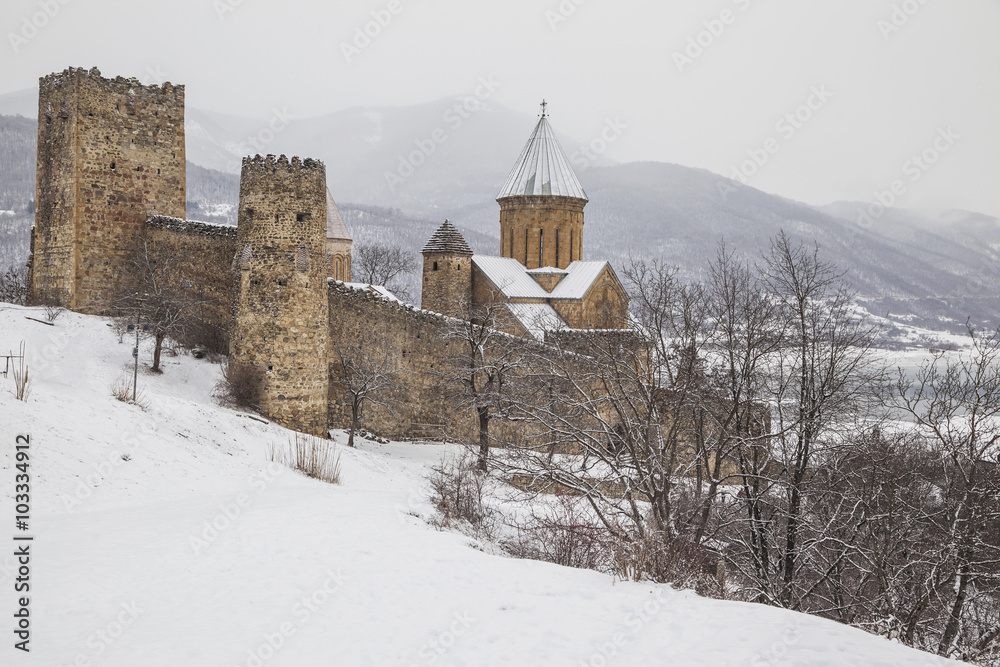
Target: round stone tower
[281,305]
[447,284]
[541,204]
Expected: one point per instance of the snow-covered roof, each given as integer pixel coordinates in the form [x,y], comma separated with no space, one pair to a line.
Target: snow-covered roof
[547,270]
[542,168]
[448,239]
[336,228]
[515,282]
[536,318]
[581,275]
[510,277]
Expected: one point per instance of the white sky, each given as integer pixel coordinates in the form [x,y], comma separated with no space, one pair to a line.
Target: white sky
[607,60]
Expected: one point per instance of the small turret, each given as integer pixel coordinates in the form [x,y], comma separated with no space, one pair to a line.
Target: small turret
[447,284]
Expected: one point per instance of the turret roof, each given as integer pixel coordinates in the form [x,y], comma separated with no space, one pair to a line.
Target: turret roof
[447,239]
[542,169]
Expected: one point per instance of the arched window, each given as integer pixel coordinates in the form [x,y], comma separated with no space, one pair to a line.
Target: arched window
[435,267]
[338,271]
[541,245]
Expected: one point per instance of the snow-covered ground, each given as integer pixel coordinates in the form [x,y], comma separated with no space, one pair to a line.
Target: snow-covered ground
[164,536]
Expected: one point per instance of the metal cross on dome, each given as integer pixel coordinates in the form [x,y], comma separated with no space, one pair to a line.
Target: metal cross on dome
[544,104]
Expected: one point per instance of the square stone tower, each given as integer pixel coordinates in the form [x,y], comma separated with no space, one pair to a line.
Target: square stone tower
[110,154]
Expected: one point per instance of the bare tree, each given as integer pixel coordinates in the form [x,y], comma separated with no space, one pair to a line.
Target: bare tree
[368,377]
[380,264]
[955,402]
[826,375]
[485,365]
[154,294]
[14,285]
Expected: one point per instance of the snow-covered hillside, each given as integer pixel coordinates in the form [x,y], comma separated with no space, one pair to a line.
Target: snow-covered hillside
[164,536]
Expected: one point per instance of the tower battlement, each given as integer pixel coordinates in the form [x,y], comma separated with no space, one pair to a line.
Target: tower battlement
[271,164]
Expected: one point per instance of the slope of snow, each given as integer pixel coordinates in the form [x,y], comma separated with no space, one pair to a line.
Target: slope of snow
[164,536]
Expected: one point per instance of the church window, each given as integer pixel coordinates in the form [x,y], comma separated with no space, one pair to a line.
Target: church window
[435,267]
[557,247]
[541,245]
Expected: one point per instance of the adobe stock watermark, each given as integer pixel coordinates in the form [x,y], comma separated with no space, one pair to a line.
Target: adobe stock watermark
[787,126]
[85,487]
[454,117]
[438,645]
[913,169]
[589,153]
[32,24]
[777,652]
[257,143]
[899,17]
[302,612]
[714,28]
[634,623]
[365,34]
[562,13]
[230,511]
[223,7]
[101,640]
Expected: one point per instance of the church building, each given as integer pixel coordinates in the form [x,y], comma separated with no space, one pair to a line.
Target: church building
[540,276]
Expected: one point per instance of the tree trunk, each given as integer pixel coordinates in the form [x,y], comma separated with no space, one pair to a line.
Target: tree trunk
[484,436]
[354,424]
[156,352]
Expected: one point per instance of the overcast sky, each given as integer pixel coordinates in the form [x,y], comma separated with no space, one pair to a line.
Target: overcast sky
[887,80]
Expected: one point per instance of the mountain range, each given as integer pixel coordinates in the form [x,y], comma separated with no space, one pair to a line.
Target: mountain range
[397,172]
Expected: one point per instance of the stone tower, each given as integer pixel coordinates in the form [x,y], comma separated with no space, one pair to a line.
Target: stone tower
[541,205]
[338,242]
[281,307]
[110,154]
[447,284]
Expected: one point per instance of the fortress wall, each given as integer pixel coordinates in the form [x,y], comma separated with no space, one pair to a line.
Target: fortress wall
[202,255]
[423,400]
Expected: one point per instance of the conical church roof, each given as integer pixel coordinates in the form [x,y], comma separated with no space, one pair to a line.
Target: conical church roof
[447,239]
[336,228]
[542,169]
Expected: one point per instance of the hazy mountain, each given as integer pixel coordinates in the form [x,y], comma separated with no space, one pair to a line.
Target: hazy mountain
[398,172]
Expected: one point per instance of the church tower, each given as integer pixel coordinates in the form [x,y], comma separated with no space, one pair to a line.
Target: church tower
[541,204]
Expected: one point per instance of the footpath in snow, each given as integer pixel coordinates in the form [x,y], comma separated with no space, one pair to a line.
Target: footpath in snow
[164,537]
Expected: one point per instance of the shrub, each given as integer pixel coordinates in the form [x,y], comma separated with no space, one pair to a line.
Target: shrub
[122,390]
[20,373]
[459,491]
[14,285]
[564,532]
[241,385]
[312,456]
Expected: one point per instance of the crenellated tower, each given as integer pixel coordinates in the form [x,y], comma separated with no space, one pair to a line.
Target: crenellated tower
[110,154]
[447,279]
[541,204]
[281,307]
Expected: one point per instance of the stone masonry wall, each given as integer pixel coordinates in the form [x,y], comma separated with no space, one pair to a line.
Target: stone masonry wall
[423,401]
[203,255]
[110,154]
[524,219]
[281,310]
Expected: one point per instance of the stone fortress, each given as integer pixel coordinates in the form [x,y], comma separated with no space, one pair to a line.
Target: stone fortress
[111,165]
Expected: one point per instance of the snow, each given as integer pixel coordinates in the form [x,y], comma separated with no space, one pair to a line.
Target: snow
[127,568]
[510,277]
[536,318]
